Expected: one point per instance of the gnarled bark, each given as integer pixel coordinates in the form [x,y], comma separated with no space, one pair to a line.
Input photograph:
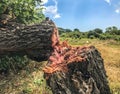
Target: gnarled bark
[34,40]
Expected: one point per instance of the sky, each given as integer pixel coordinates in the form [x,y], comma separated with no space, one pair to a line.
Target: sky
[83,14]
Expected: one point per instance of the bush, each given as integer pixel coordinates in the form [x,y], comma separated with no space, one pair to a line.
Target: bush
[102,37]
[75,35]
[117,38]
[12,63]
[91,36]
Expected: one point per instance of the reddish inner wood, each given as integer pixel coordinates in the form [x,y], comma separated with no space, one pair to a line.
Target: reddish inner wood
[62,55]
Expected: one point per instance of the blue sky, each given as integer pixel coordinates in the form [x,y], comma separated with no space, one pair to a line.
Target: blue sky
[83,14]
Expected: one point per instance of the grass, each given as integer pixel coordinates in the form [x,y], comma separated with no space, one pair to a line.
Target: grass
[27,81]
[30,79]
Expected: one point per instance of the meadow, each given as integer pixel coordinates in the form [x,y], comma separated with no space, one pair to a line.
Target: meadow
[30,79]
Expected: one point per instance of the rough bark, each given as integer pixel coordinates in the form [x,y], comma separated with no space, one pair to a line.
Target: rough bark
[87,77]
[34,40]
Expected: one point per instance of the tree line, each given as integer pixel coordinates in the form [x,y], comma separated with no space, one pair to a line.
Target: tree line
[110,33]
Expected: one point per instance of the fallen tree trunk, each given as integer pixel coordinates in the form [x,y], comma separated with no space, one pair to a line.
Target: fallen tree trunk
[35,41]
[82,76]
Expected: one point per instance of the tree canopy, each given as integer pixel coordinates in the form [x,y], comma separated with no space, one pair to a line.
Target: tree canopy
[113,30]
[24,11]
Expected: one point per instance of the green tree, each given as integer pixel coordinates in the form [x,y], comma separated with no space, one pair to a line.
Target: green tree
[68,30]
[76,30]
[61,30]
[24,11]
[74,34]
[98,30]
[112,30]
[90,34]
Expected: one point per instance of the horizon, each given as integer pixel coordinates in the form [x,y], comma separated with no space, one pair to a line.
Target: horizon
[84,15]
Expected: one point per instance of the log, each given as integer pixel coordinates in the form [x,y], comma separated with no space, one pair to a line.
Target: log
[35,40]
[83,77]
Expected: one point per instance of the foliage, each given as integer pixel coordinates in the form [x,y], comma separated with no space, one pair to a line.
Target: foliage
[76,29]
[38,81]
[112,30]
[94,33]
[98,30]
[111,33]
[61,30]
[72,35]
[68,30]
[13,63]
[107,36]
[25,11]
[102,37]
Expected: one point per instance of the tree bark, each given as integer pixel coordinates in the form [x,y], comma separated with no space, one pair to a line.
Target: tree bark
[34,40]
[87,77]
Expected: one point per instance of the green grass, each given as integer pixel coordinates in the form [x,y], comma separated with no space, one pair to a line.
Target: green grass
[30,79]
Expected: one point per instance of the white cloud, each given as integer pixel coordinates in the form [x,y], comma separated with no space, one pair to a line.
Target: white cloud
[108,1]
[52,10]
[44,1]
[115,5]
[57,16]
[117,11]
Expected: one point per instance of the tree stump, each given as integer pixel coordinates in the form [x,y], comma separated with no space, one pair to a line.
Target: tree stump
[86,77]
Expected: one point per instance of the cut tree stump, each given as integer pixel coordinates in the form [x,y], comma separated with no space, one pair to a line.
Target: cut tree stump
[86,77]
[34,40]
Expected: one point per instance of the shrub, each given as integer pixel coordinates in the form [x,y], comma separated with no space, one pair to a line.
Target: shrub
[91,36]
[12,63]
[102,37]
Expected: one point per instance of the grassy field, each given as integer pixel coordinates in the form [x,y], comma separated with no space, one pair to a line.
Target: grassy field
[30,79]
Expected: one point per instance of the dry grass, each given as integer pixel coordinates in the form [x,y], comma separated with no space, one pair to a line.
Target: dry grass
[111,56]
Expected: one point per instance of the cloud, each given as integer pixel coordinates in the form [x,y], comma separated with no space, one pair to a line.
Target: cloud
[108,1]
[117,11]
[115,5]
[52,10]
[57,16]
[44,1]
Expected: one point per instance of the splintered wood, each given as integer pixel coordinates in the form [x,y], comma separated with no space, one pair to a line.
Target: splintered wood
[63,54]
